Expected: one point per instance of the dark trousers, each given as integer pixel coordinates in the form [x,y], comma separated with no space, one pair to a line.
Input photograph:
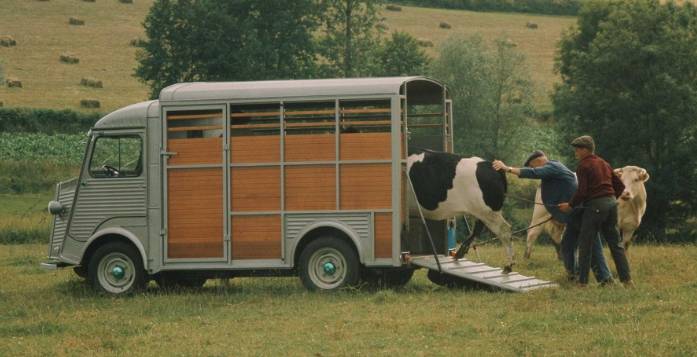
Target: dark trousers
[600,215]
[569,246]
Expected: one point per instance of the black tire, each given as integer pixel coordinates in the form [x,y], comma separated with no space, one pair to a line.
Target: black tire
[328,263]
[179,280]
[81,271]
[116,268]
[389,277]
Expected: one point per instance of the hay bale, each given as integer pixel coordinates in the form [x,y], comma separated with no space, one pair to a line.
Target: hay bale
[75,21]
[392,7]
[7,41]
[69,58]
[13,82]
[445,25]
[126,1]
[91,82]
[89,103]
[88,0]
[424,42]
[2,104]
[137,42]
[531,25]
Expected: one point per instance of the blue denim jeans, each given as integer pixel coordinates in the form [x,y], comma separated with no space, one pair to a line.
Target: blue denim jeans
[569,246]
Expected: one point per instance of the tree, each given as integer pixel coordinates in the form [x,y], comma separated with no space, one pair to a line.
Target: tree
[629,78]
[491,95]
[350,35]
[401,55]
[209,40]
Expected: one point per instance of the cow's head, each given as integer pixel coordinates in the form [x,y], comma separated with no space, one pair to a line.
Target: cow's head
[633,178]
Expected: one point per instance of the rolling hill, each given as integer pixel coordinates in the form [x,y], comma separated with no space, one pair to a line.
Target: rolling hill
[102,45]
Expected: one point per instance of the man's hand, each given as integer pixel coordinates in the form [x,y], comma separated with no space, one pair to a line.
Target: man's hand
[564,207]
[499,165]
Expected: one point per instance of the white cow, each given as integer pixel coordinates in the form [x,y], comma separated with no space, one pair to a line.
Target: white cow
[632,202]
[552,227]
[630,210]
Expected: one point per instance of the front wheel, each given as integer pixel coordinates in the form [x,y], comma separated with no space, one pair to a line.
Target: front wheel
[116,268]
[328,263]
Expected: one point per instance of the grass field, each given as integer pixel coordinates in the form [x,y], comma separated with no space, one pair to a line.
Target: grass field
[55,313]
[42,33]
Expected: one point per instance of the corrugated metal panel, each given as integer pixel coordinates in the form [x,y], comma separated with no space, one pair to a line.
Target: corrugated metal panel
[482,273]
[296,223]
[285,89]
[102,199]
[66,192]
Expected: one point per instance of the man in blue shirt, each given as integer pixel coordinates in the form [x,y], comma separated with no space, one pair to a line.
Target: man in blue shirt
[559,185]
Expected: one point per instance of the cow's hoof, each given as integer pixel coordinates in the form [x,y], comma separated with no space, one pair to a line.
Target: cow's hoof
[508,269]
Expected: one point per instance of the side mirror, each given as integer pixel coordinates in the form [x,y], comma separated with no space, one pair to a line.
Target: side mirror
[55,208]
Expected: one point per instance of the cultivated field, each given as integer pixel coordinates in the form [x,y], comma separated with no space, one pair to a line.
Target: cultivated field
[102,45]
[55,313]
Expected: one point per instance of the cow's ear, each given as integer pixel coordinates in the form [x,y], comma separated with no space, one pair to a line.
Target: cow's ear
[618,172]
[643,175]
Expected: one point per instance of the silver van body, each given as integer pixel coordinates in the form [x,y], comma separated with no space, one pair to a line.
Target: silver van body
[106,204]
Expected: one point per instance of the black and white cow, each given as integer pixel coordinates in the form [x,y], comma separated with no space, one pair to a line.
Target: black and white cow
[448,185]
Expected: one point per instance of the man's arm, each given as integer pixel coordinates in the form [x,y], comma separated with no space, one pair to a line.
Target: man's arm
[546,170]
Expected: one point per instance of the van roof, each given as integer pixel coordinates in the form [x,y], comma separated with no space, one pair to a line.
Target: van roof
[287,88]
[136,114]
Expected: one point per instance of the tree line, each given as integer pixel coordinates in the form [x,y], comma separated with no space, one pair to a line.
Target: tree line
[628,77]
[546,7]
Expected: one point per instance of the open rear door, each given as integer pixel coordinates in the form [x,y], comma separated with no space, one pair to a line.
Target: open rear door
[194,184]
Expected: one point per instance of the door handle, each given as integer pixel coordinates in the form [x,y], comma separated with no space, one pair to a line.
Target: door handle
[167,153]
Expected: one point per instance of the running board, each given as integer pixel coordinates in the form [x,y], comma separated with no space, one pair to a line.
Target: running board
[482,273]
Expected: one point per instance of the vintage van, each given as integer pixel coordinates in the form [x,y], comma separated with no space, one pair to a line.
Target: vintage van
[218,180]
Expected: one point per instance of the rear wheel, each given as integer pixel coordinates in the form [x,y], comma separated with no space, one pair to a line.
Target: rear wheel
[116,268]
[328,263]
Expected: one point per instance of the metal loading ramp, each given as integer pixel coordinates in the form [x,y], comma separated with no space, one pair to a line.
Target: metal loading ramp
[482,273]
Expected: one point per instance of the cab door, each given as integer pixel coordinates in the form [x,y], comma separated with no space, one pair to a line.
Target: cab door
[194,184]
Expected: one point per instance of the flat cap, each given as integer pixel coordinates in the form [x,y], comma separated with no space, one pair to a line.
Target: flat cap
[535,154]
[584,142]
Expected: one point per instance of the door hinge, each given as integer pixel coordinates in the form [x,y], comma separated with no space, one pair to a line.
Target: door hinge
[227,237]
[226,147]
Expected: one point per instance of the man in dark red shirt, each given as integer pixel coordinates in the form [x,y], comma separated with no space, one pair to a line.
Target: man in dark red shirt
[598,189]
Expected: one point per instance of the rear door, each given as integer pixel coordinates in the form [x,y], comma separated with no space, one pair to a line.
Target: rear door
[194,184]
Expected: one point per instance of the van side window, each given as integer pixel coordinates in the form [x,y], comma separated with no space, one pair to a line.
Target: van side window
[117,156]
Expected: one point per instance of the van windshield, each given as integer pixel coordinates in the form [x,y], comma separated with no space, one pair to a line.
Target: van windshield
[116,156]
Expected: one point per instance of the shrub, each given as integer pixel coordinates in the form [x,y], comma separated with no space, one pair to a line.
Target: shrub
[392,7]
[23,175]
[45,121]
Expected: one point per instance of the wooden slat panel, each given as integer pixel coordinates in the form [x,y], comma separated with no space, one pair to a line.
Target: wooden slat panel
[309,147]
[365,146]
[195,151]
[259,148]
[194,128]
[366,186]
[255,188]
[383,235]
[310,112]
[217,115]
[364,111]
[254,114]
[256,237]
[310,188]
[195,213]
